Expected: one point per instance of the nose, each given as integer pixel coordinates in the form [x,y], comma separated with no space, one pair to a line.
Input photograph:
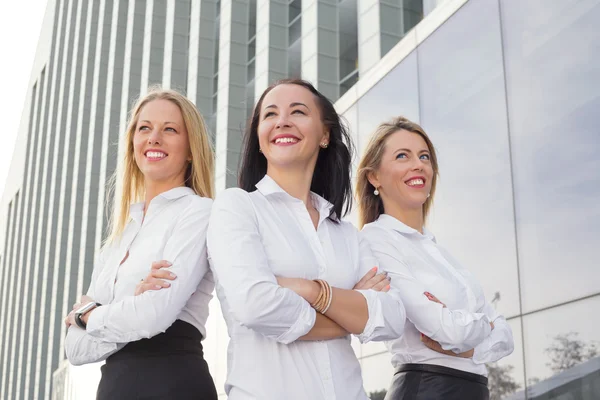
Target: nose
[418,165]
[283,121]
[155,136]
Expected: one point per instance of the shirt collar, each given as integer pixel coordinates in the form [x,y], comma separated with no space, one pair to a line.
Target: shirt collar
[395,224]
[268,187]
[136,210]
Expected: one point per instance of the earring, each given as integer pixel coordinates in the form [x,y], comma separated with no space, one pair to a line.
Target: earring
[324,145]
[259,150]
[428,194]
[376,192]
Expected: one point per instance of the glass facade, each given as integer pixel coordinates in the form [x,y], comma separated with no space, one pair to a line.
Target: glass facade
[509,92]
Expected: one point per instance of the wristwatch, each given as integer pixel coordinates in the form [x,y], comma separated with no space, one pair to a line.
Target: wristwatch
[84,310]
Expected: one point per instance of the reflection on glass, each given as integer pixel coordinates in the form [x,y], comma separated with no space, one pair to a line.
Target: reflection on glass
[463,110]
[561,351]
[553,107]
[396,94]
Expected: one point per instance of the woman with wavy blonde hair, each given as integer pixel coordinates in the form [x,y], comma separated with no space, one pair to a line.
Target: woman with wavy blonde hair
[150,338]
[445,346]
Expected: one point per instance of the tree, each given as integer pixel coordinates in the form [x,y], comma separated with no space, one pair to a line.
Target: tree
[568,350]
[378,394]
[500,381]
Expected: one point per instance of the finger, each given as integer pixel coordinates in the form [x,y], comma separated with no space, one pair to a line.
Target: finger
[372,272]
[377,279]
[381,285]
[156,282]
[163,274]
[433,298]
[149,286]
[161,264]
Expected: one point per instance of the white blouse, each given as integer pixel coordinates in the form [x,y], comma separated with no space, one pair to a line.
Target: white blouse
[417,264]
[174,229]
[254,237]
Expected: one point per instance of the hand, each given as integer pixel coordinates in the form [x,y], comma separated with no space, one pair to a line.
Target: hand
[305,288]
[434,299]
[155,280]
[70,318]
[373,280]
[435,346]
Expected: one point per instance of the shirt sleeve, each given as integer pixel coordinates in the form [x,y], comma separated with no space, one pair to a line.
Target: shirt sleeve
[386,310]
[499,343]
[241,267]
[80,347]
[456,330]
[152,312]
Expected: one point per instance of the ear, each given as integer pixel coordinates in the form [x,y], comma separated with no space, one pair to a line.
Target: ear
[373,179]
[325,136]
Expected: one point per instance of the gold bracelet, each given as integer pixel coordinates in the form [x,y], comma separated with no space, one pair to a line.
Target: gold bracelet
[319,297]
[323,301]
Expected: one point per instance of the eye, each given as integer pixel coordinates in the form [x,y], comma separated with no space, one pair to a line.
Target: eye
[424,157]
[143,128]
[298,112]
[268,114]
[170,129]
[401,155]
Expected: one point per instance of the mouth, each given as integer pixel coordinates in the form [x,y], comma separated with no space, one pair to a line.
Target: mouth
[155,155]
[285,140]
[417,182]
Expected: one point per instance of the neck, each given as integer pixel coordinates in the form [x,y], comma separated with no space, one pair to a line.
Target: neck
[153,189]
[412,217]
[295,181]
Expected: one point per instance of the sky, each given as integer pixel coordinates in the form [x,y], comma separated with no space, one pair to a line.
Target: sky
[20,26]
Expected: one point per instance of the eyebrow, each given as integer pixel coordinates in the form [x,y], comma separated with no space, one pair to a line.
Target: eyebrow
[295,104]
[410,151]
[166,122]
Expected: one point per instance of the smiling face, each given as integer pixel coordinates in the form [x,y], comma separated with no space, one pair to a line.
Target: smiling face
[290,129]
[160,143]
[405,174]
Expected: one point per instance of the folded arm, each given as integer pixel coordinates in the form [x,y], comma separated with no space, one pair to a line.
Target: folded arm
[499,343]
[152,312]
[456,330]
[240,265]
[82,348]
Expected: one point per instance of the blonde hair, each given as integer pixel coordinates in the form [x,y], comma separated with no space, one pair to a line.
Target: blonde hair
[128,179]
[370,207]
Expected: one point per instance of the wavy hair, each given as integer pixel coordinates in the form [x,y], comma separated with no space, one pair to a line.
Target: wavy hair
[331,178]
[127,183]
[370,207]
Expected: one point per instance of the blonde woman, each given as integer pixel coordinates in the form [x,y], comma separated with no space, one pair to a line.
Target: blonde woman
[150,339]
[445,345]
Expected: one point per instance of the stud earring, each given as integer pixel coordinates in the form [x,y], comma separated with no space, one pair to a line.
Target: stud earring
[259,150]
[376,192]
[428,194]
[324,145]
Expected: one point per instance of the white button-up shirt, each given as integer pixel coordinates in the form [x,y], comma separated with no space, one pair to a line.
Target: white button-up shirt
[417,264]
[173,229]
[254,237]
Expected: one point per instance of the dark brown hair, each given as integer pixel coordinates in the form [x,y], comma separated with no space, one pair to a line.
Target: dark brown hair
[331,178]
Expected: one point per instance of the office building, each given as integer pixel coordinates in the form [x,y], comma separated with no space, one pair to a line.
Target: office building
[507,90]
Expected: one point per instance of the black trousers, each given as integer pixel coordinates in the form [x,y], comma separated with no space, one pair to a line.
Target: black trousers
[167,366]
[433,382]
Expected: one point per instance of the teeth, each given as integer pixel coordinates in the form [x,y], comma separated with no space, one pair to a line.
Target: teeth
[286,140]
[415,182]
[155,154]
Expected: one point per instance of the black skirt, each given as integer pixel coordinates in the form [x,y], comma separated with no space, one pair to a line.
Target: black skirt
[167,366]
[432,382]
